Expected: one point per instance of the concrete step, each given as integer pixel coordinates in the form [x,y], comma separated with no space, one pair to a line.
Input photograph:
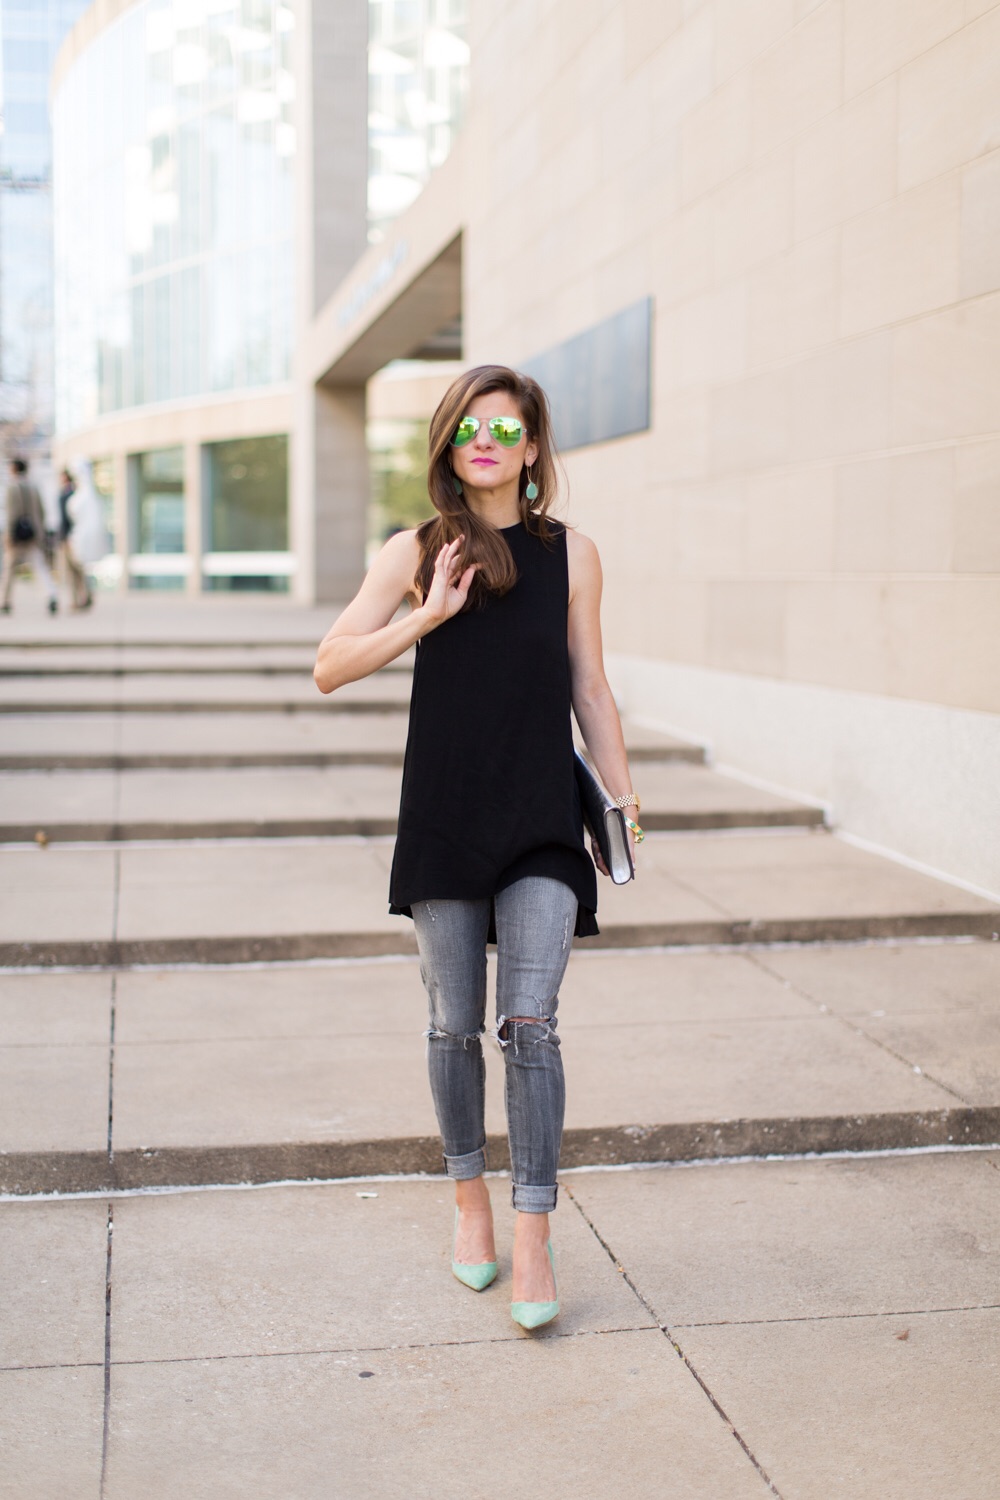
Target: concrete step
[318,1071]
[268,900]
[301,666]
[254,659]
[136,741]
[150,621]
[358,799]
[151,692]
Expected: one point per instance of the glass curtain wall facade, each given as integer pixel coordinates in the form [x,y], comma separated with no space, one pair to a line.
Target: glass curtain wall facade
[246,514]
[418,74]
[157,523]
[174,206]
[30,34]
[418,79]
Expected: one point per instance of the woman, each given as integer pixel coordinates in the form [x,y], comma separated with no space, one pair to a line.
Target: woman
[505,611]
[79,587]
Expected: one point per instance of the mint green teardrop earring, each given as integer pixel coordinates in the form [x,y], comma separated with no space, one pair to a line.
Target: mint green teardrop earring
[531,492]
[457,483]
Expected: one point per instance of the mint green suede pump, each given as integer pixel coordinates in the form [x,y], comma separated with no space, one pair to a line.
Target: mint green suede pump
[537,1314]
[478,1277]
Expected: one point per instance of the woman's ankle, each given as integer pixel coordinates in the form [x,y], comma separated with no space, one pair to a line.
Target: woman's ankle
[531,1229]
[472,1196]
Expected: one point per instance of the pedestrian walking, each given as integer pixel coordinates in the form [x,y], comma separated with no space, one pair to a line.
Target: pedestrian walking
[24,536]
[79,587]
[91,542]
[505,614]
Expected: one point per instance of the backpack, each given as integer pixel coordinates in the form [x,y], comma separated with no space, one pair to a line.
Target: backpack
[23,529]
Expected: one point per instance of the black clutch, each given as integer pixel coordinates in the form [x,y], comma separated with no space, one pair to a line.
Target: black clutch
[605,821]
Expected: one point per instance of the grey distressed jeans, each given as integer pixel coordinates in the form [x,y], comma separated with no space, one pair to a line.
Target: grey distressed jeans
[535,918]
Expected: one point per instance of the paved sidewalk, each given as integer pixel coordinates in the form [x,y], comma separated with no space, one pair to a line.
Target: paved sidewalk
[805,1329]
[202,990]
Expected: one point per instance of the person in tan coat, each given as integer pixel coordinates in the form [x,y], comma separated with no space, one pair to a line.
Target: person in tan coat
[24,533]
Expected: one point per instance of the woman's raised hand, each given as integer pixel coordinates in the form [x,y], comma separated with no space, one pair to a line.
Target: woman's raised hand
[448,593]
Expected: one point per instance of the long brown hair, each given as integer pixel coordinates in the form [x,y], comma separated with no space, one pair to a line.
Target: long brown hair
[484,544]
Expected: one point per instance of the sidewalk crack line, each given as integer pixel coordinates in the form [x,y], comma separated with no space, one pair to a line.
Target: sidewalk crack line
[107,1357]
[665,1330]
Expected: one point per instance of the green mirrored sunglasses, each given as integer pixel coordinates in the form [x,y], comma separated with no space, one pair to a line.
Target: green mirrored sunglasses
[507,431]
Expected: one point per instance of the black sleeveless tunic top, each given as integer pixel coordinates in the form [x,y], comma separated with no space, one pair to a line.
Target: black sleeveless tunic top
[489,791]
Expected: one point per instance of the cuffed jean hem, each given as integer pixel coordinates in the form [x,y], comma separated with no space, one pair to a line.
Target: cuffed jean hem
[533,1200]
[463,1168]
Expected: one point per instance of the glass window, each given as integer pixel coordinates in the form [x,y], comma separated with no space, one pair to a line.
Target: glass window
[159,500]
[173,189]
[248,495]
[397,453]
[418,66]
[103,472]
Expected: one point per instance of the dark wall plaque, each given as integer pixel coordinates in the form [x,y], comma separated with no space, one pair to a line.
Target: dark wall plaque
[598,382]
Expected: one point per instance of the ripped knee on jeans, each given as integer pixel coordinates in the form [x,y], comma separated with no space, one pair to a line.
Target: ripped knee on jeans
[468,1038]
[511,1029]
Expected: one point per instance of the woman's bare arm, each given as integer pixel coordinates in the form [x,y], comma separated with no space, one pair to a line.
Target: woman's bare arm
[366,636]
[593,702]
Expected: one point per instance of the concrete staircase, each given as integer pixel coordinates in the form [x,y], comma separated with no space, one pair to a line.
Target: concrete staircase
[202,984]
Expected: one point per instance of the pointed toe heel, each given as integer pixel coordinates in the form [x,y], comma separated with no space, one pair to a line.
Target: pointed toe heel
[533,1315]
[477,1277]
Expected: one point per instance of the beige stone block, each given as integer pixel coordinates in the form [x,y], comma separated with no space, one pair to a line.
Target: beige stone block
[846,163]
[977,507]
[901,259]
[681,74]
[599,226]
[861,528]
[922,511]
[708,529]
[646,26]
[745,626]
[716,137]
[703,340]
[793,300]
[674,620]
[882,36]
[836,634]
[681,254]
[750,422]
[625,122]
[946,374]
[558,107]
[922,639]
[975,679]
[681,421]
[980,233]
[622,278]
[565,178]
[798,81]
[789,521]
[646,194]
[949,102]
[600,58]
[753,216]
[839,400]
[894,513]
[746,28]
